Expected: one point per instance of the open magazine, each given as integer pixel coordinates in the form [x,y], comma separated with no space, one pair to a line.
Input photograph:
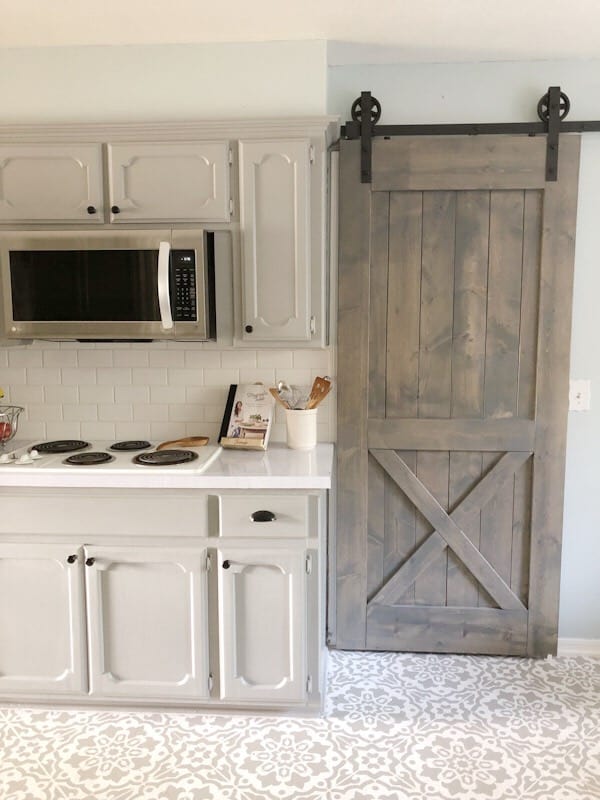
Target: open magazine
[248,417]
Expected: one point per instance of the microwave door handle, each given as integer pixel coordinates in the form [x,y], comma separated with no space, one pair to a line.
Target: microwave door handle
[164,298]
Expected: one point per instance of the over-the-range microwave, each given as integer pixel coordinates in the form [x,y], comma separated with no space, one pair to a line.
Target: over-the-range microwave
[109,285]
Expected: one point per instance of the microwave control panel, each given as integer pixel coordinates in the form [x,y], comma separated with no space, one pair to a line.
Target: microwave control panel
[183,285]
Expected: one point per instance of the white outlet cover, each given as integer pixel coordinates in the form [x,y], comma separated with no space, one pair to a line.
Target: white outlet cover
[580,395]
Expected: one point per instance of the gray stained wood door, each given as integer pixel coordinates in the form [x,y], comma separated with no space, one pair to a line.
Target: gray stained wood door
[455,286]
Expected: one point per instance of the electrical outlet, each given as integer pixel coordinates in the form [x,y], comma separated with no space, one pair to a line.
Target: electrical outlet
[580,395]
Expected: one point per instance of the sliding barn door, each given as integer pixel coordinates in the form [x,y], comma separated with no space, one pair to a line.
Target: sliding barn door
[455,293]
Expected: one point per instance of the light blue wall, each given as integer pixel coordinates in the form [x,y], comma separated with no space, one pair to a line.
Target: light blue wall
[509,92]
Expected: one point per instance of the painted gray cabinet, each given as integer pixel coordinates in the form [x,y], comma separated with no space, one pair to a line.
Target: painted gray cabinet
[275,220]
[262,624]
[147,623]
[42,619]
[51,183]
[174,181]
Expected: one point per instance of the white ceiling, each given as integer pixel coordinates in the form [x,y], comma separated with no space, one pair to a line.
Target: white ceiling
[362,31]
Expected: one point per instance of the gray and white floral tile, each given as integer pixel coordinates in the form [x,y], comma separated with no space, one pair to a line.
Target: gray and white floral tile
[395,727]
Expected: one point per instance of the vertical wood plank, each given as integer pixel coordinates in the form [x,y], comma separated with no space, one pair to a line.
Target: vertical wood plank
[502,361]
[554,339]
[532,239]
[352,400]
[377,370]
[400,516]
[468,367]
[435,367]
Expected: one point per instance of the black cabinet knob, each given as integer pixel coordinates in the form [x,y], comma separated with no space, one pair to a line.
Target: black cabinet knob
[91,209]
[248,328]
[71,559]
[263,516]
[89,562]
[226,564]
[115,210]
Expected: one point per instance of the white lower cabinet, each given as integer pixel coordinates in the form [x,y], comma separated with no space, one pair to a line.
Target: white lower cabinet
[262,625]
[147,625]
[42,619]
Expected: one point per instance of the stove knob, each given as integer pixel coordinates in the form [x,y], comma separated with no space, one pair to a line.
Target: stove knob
[34,454]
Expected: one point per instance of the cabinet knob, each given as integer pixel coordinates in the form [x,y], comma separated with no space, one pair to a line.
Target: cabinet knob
[89,562]
[91,209]
[248,328]
[115,209]
[226,564]
[263,516]
[71,559]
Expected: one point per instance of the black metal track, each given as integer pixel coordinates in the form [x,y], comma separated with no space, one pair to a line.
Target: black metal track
[552,109]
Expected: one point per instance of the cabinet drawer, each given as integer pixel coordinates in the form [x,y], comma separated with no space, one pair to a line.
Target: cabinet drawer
[267,515]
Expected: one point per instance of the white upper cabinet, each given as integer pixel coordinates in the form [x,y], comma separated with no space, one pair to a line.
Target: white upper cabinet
[175,181]
[51,183]
[275,218]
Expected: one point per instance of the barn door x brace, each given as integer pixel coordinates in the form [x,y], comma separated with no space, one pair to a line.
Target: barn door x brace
[552,109]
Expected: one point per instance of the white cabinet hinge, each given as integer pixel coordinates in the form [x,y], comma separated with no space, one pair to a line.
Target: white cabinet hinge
[211,682]
[308,564]
[313,324]
[230,156]
[309,684]
[311,154]
[208,563]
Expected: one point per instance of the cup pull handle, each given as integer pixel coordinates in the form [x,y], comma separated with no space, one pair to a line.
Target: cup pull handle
[263,516]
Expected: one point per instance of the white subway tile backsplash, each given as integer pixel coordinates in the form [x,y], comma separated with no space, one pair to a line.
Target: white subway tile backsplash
[272,359]
[116,412]
[95,358]
[78,377]
[155,376]
[132,394]
[44,412]
[166,358]
[60,358]
[238,358]
[96,394]
[167,394]
[130,358]
[80,412]
[98,430]
[25,358]
[61,394]
[42,375]
[114,376]
[22,395]
[203,359]
[156,391]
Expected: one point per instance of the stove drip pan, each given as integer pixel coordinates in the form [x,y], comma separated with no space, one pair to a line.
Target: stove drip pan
[165,458]
[89,459]
[61,446]
[132,444]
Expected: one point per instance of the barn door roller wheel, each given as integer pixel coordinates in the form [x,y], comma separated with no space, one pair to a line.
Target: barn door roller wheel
[543,107]
[356,110]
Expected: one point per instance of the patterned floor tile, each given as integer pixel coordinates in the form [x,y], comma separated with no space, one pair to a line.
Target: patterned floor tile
[396,727]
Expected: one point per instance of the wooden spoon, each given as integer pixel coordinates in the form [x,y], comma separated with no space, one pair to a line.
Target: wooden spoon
[277,397]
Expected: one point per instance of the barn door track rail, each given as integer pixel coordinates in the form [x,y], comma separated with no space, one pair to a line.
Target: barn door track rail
[552,109]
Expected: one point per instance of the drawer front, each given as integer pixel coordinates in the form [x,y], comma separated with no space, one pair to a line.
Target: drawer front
[269,515]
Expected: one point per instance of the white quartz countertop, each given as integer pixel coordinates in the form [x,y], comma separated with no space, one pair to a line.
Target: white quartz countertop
[277,468]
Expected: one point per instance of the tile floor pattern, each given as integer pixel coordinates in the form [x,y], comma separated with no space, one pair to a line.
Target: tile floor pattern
[396,727]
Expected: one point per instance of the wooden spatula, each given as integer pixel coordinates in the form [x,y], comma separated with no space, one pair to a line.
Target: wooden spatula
[188,441]
[320,389]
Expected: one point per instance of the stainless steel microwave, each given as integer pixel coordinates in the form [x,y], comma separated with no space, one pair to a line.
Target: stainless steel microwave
[108,285]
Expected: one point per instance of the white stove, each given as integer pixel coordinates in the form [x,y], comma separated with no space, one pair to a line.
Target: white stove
[82,457]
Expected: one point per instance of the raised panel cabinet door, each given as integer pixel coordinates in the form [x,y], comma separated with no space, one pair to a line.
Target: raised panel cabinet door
[51,183]
[42,619]
[178,182]
[275,223]
[262,628]
[147,624]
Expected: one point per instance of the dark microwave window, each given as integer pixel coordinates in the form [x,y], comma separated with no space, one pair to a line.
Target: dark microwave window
[85,285]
